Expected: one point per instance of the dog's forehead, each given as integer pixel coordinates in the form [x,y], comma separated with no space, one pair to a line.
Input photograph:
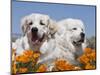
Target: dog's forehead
[75,23]
[39,17]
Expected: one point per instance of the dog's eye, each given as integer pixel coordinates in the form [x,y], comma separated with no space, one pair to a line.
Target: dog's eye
[74,28]
[41,23]
[30,23]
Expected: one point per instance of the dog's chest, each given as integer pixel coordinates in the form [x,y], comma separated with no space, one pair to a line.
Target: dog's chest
[79,51]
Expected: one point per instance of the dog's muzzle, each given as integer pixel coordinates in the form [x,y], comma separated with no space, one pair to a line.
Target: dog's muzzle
[81,40]
[36,39]
[82,37]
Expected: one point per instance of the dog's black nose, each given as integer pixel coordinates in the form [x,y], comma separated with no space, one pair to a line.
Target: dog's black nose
[82,35]
[34,29]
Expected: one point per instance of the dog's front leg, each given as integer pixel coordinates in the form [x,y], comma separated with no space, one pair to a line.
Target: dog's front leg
[44,47]
[25,43]
[50,67]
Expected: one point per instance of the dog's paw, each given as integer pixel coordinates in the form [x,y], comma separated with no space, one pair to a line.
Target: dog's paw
[50,67]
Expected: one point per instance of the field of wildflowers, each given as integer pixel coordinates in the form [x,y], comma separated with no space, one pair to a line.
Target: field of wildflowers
[27,62]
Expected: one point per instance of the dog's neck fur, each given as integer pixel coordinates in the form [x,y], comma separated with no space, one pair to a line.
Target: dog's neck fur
[67,45]
[79,50]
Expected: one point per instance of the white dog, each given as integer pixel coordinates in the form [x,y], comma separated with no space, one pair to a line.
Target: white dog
[68,43]
[36,29]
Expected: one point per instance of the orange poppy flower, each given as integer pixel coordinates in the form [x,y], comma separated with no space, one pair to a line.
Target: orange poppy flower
[87,50]
[89,66]
[42,68]
[64,65]
[84,59]
[22,70]
[22,58]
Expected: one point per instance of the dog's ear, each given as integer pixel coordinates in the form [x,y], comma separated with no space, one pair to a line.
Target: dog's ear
[24,25]
[52,28]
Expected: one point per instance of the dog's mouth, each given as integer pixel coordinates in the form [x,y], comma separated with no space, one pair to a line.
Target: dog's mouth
[79,42]
[36,39]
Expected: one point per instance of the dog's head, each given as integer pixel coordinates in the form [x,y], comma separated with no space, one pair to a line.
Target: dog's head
[74,29]
[37,27]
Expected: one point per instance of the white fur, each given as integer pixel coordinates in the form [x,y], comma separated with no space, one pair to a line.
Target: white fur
[45,27]
[62,46]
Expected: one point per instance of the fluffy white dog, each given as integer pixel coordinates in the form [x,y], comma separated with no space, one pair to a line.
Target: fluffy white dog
[68,43]
[36,29]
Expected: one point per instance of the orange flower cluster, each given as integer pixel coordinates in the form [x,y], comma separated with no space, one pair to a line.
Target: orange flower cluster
[88,59]
[13,62]
[27,56]
[62,65]
[42,68]
[27,62]
[23,70]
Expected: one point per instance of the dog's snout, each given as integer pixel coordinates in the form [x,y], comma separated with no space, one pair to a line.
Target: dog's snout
[34,29]
[82,35]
